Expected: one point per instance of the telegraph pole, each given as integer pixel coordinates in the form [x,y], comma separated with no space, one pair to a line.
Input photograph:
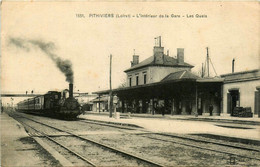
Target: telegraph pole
[202,71]
[110,91]
[208,59]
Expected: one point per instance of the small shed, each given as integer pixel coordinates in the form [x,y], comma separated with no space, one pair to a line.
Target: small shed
[100,104]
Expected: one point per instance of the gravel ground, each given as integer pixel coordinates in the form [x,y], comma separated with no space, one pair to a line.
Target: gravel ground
[75,126]
[206,145]
[41,152]
[167,153]
[68,155]
[42,128]
[98,155]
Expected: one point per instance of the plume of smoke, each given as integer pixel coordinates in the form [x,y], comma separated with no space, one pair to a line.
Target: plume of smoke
[20,43]
[65,66]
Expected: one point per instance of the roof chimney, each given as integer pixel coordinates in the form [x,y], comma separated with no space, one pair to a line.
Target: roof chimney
[158,51]
[233,65]
[180,56]
[135,60]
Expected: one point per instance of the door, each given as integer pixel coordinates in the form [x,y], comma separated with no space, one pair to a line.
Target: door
[257,103]
[199,106]
[233,100]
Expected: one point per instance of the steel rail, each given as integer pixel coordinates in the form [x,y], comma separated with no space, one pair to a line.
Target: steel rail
[111,125]
[47,136]
[211,142]
[187,138]
[204,148]
[176,136]
[103,145]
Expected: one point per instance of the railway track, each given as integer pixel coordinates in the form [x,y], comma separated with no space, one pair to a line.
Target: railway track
[214,141]
[194,140]
[114,125]
[61,145]
[188,141]
[115,155]
[230,153]
[181,136]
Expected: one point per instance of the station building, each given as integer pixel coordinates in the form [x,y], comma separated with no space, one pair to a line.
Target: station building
[162,84]
[241,89]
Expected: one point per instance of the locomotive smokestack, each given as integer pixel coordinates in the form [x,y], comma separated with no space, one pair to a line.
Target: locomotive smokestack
[70,90]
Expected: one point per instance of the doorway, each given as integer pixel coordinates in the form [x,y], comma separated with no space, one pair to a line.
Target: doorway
[233,98]
[199,102]
[257,101]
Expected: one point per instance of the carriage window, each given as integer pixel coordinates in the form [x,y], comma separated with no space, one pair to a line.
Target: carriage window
[56,96]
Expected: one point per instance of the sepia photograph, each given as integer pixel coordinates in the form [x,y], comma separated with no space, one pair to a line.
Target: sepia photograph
[130,83]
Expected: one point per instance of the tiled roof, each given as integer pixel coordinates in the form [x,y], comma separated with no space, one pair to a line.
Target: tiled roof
[168,61]
[180,75]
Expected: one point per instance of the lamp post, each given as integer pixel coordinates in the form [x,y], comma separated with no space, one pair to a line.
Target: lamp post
[110,92]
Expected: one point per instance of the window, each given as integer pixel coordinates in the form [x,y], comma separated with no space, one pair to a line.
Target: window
[144,78]
[130,82]
[137,80]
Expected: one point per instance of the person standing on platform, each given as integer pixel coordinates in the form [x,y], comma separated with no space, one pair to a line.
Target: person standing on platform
[210,109]
[161,107]
[2,109]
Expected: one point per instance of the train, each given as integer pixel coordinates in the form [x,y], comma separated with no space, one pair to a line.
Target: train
[53,103]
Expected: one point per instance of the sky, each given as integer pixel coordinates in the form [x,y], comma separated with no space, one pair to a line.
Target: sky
[37,37]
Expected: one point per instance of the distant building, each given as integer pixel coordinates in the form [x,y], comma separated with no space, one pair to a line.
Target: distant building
[85,100]
[100,104]
[241,89]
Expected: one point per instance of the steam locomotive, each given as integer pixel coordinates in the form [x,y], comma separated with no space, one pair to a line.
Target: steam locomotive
[54,104]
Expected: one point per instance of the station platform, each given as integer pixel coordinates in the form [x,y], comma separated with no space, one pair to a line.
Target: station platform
[223,119]
[17,148]
[242,128]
